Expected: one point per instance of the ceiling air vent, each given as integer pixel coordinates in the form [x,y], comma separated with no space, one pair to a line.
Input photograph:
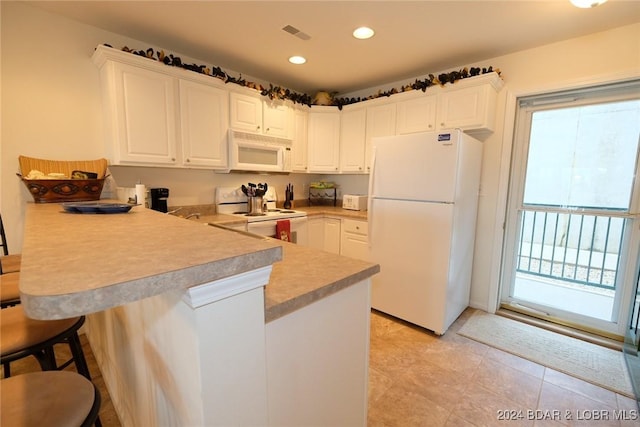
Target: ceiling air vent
[296,32]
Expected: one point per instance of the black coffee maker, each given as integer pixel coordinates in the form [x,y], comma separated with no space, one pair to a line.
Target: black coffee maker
[159,198]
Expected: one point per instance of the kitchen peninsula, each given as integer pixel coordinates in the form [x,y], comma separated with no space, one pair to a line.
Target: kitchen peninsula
[196,325]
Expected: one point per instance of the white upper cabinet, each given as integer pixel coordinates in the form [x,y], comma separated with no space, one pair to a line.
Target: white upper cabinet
[352,139]
[381,121]
[140,105]
[324,139]
[245,112]
[156,115]
[161,116]
[276,119]
[470,104]
[204,124]
[250,113]
[416,115]
[300,136]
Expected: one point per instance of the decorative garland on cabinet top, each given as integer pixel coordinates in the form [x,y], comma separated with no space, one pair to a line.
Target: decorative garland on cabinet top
[280,93]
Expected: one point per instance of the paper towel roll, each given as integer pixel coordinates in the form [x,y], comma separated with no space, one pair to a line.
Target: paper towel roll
[141,194]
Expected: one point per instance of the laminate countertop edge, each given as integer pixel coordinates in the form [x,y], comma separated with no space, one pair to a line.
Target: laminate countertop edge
[306,275]
[76,264]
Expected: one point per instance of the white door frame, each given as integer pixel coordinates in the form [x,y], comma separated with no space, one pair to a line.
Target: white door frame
[508,135]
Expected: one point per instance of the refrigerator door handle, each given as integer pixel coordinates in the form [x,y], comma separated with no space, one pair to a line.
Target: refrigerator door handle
[372,174]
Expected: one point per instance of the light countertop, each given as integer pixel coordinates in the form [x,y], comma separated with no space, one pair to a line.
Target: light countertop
[305,275]
[333,211]
[207,213]
[75,264]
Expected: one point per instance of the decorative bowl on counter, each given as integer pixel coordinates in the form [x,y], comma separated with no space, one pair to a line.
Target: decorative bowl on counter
[51,181]
[64,190]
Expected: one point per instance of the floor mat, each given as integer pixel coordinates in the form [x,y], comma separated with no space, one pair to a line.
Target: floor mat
[590,362]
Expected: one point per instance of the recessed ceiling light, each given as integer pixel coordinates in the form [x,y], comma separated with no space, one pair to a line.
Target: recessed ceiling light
[586,3]
[297,60]
[363,33]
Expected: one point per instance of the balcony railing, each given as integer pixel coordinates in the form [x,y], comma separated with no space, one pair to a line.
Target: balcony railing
[575,248]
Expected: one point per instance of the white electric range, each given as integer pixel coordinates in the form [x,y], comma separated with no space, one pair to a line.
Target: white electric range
[232,201]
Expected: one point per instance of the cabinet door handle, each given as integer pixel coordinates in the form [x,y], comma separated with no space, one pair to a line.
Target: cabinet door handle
[188,160]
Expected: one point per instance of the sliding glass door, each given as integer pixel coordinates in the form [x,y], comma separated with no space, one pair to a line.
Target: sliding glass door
[572,234]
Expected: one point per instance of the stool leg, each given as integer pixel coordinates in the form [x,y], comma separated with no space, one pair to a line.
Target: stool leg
[46,358]
[50,356]
[81,363]
[78,355]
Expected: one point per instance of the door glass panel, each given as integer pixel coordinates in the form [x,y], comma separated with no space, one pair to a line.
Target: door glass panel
[583,156]
[573,218]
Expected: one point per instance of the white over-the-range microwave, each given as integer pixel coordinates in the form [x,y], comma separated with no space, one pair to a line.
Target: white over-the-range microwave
[259,153]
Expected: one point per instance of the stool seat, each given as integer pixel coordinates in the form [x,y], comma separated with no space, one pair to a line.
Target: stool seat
[48,398]
[9,291]
[21,337]
[10,263]
[17,331]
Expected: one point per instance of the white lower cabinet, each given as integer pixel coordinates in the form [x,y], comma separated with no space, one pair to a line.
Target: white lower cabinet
[324,234]
[354,240]
[315,230]
[348,237]
[332,228]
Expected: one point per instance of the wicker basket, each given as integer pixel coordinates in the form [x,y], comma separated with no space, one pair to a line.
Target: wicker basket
[63,190]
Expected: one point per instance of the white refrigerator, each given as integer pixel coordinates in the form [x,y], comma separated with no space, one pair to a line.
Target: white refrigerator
[423,201]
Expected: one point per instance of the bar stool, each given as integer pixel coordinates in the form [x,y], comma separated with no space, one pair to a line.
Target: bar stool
[51,398]
[8,263]
[9,292]
[21,336]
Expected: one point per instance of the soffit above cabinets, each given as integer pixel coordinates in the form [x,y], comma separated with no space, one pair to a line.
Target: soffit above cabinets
[413,38]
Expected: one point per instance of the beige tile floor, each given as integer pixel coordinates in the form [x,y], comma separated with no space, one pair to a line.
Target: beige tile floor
[418,379]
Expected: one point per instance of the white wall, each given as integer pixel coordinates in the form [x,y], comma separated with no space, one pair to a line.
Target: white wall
[600,57]
[597,58]
[51,109]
